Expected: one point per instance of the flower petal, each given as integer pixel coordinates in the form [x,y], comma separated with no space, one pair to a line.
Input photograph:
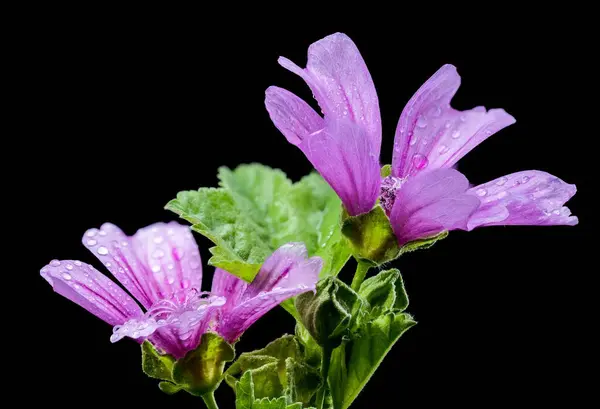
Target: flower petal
[286,273]
[158,261]
[229,286]
[347,161]
[169,252]
[432,135]
[174,325]
[291,115]
[341,83]
[523,198]
[431,202]
[86,286]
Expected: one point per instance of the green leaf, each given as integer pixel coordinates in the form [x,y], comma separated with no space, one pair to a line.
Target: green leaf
[257,210]
[354,362]
[312,350]
[245,398]
[302,381]
[380,292]
[331,313]
[200,371]
[275,352]
[244,392]
[156,365]
[169,388]
[371,236]
[215,214]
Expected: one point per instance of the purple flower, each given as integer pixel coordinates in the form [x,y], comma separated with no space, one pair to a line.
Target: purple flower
[424,194]
[160,266]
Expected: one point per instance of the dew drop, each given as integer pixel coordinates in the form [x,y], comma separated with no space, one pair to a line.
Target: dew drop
[91,242]
[66,276]
[556,212]
[420,161]
[525,179]
[436,111]
[413,138]
[171,280]
[103,251]
[186,283]
[170,266]
[124,243]
[170,232]
[443,149]
[102,233]
[481,192]
[158,254]
[77,263]
[108,264]
[55,263]
[155,268]
[455,134]
[448,124]
[69,267]
[91,233]
[502,181]
[158,239]
[421,122]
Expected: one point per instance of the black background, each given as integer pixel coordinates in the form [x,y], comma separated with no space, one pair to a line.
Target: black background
[130,111]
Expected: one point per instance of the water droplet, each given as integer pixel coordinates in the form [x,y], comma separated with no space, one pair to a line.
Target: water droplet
[158,254]
[77,263]
[302,286]
[413,138]
[443,149]
[262,293]
[170,266]
[186,283]
[525,179]
[124,243]
[103,251]
[102,233]
[69,267]
[91,242]
[170,232]
[488,132]
[421,122]
[135,334]
[91,233]
[502,181]
[155,268]
[556,212]
[108,264]
[55,263]
[436,111]
[455,134]
[502,194]
[171,280]
[66,276]
[481,192]
[158,239]
[420,161]
[448,124]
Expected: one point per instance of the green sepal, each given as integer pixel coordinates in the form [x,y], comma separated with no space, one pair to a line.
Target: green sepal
[312,350]
[422,244]
[169,388]
[331,313]
[155,364]
[200,371]
[370,236]
[386,170]
[384,292]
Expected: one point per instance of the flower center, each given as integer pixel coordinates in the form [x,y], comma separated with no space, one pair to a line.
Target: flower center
[389,186]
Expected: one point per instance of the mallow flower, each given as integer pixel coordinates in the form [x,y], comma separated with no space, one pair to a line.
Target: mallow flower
[424,194]
[160,266]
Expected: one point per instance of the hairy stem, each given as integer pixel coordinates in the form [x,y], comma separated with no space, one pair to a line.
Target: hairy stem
[209,400]
[360,274]
[322,392]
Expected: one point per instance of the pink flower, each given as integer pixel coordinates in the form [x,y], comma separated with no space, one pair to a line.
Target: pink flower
[424,194]
[160,266]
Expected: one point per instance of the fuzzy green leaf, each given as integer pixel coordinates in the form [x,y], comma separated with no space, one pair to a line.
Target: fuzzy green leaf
[354,362]
[257,210]
[422,244]
[169,388]
[156,365]
[302,381]
[245,397]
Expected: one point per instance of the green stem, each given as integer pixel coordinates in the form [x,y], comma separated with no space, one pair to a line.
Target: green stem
[360,274]
[209,399]
[322,392]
